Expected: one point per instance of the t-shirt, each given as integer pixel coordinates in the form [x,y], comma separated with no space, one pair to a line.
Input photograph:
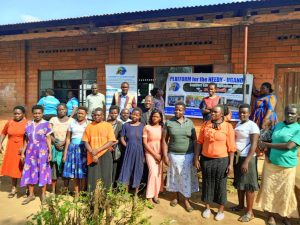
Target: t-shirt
[78,129]
[71,104]
[97,134]
[50,104]
[93,102]
[182,136]
[284,133]
[60,129]
[242,136]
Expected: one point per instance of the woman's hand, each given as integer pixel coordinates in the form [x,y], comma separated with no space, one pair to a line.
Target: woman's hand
[95,159]
[244,167]
[157,157]
[261,145]
[94,152]
[197,163]
[22,158]
[229,169]
[1,149]
[49,157]
[166,160]
[64,158]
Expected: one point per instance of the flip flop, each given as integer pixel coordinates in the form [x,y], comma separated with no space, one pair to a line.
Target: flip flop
[174,202]
[246,218]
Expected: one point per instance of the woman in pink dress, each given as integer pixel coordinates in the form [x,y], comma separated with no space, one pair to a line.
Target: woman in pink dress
[152,136]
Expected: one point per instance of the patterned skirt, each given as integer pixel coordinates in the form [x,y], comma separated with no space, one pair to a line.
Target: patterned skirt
[182,175]
[75,165]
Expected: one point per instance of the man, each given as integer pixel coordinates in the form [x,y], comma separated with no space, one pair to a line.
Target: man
[147,109]
[124,116]
[94,100]
[124,99]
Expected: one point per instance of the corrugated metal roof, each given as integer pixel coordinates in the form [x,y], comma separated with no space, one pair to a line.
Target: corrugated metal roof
[239,9]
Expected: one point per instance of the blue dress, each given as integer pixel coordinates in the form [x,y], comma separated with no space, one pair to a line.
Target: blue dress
[133,163]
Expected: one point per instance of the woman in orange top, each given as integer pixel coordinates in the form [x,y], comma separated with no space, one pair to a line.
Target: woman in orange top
[98,137]
[216,143]
[15,130]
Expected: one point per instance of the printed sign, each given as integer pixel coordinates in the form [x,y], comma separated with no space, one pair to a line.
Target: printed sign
[191,88]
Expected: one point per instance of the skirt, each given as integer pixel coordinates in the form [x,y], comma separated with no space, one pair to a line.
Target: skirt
[298,172]
[75,165]
[248,181]
[214,180]
[277,192]
[102,170]
[182,175]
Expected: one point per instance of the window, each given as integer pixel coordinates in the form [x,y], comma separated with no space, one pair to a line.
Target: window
[62,81]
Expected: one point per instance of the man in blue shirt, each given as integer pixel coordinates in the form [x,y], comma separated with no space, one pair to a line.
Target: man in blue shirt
[50,103]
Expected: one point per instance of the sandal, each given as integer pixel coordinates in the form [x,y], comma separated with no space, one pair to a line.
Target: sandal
[12,194]
[271,221]
[236,208]
[174,202]
[156,201]
[28,199]
[189,209]
[246,218]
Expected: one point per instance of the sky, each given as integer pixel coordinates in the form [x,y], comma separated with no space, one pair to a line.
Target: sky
[20,11]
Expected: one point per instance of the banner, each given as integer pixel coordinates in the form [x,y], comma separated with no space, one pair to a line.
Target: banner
[117,74]
[191,88]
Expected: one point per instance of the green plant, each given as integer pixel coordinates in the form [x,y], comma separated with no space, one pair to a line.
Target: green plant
[115,206]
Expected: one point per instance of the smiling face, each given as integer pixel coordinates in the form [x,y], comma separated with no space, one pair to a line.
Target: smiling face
[125,114]
[124,88]
[135,116]
[61,111]
[98,116]
[18,115]
[179,111]
[211,90]
[81,114]
[216,113]
[94,89]
[244,114]
[291,115]
[37,115]
[114,114]
[148,102]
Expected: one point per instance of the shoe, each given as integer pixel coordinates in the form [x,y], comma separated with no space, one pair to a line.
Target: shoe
[28,199]
[206,213]
[219,216]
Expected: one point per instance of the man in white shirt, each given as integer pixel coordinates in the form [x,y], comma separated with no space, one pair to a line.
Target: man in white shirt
[94,100]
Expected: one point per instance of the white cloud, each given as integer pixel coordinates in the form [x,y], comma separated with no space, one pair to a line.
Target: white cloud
[29,18]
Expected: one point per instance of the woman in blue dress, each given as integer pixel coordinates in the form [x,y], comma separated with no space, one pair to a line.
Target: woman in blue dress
[264,108]
[132,139]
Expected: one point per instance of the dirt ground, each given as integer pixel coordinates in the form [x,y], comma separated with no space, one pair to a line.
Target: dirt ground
[13,213]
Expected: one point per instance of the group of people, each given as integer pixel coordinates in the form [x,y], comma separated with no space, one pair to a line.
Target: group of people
[134,144]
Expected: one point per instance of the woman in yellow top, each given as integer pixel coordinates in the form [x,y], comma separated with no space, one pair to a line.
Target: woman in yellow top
[98,138]
[216,143]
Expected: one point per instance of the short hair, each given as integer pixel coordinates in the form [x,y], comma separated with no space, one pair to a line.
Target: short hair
[224,108]
[161,116]
[20,107]
[125,82]
[154,91]
[40,107]
[180,103]
[137,109]
[49,91]
[268,85]
[125,109]
[212,84]
[293,106]
[114,107]
[245,106]
[149,96]
[82,108]
[62,104]
[98,109]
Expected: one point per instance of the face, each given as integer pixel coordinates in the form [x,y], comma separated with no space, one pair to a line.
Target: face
[94,89]
[135,116]
[291,115]
[114,114]
[211,90]
[70,94]
[125,115]
[124,88]
[244,114]
[216,113]
[37,115]
[81,114]
[18,115]
[264,90]
[179,111]
[98,116]
[156,118]
[160,93]
[61,111]
[148,103]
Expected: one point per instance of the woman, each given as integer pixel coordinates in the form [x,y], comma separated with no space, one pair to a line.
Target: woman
[14,129]
[179,139]
[245,167]
[114,112]
[132,139]
[75,153]
[50,103]
[152,136]
[98,138]
[60,125]
[216,143]
[264,108]
[37,146]
[158,99]
[277,193]
[72,104]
